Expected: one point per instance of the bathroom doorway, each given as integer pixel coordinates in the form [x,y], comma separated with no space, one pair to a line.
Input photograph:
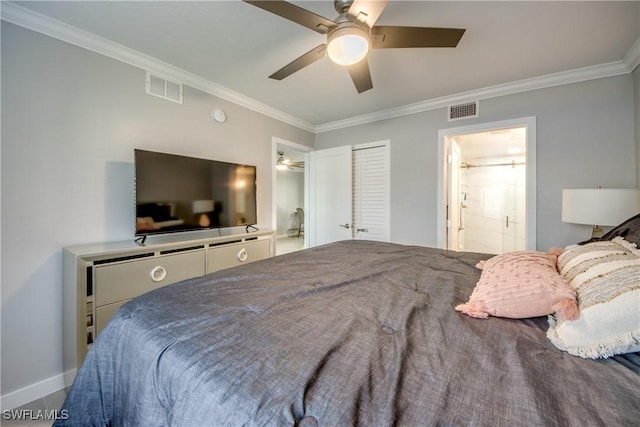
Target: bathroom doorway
[487,188]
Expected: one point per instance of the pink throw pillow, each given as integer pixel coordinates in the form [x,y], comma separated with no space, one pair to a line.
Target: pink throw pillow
[519,285]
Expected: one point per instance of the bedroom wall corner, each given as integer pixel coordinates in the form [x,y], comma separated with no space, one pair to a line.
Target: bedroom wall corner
[70,121]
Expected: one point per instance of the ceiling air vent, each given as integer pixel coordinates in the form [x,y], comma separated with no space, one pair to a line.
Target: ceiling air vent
[164,88]
[463,111]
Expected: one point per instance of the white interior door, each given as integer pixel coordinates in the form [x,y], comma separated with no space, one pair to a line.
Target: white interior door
[330,196]
[454,220]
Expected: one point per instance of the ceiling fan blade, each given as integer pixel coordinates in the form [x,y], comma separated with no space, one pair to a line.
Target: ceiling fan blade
[385,37]
[308,58]
[296,14]
[361,75]
[367,11]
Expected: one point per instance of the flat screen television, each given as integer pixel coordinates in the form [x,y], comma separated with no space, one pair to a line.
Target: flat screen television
[178,193]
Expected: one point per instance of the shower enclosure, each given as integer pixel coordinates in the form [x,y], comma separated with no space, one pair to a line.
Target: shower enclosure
[493,206]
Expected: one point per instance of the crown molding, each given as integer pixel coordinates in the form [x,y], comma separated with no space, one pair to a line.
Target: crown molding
[632,58]
[556,79]
[15,14]
[18,15]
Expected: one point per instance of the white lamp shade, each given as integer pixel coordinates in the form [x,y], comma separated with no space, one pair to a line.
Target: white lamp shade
[602,206]
[201,206]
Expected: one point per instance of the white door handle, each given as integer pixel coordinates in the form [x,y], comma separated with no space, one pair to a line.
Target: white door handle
[243,255]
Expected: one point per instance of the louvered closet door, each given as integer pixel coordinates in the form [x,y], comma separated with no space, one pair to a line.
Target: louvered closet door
[371,184]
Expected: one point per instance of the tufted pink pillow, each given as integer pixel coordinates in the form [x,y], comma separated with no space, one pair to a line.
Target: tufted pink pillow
[520,285]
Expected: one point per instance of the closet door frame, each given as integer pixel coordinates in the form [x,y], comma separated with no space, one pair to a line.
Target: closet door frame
[314,202]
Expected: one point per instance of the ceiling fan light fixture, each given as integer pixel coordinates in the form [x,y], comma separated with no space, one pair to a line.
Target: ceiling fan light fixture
[281,162]
[348,45]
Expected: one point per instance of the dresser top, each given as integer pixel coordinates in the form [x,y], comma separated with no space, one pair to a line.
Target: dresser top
[161,243]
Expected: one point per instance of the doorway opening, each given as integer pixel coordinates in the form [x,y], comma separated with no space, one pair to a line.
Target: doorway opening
[487,187]
[288,160]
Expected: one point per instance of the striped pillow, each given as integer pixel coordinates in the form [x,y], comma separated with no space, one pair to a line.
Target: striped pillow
[606,278]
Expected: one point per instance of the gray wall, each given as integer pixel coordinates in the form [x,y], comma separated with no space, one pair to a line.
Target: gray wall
[585,138]
[70,122]
[636,91]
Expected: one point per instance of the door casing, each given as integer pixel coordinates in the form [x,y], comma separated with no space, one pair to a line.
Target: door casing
[454,225]
[443,134]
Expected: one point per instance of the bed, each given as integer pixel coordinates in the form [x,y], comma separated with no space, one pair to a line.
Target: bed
[350,333]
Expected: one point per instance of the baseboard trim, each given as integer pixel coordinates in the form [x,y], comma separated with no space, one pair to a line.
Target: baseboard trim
[36,391]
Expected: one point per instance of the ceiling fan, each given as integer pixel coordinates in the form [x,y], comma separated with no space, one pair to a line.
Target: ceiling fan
[283,163]
[352,34]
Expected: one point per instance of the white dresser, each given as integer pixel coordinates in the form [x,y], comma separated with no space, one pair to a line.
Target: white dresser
[99,278]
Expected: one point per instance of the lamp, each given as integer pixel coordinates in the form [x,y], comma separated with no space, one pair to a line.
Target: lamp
[203,207]
[348,44]
[599,206]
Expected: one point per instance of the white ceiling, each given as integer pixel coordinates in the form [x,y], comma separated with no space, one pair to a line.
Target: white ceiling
[237,46]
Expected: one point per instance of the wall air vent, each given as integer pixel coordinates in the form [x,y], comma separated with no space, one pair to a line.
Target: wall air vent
[164,88]
[462,111]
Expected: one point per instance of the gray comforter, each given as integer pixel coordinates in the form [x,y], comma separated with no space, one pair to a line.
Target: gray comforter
[351,333]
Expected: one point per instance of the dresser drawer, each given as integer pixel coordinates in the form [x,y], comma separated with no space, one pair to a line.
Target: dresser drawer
[104,313]
[118,282]
[230,255]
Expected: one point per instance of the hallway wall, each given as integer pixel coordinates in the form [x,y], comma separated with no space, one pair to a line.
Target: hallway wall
[290,196]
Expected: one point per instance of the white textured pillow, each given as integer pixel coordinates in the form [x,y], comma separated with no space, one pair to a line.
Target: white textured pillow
[606,278]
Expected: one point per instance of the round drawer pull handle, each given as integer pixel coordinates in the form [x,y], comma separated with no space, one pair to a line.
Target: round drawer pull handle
[158,273]
[243,255]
